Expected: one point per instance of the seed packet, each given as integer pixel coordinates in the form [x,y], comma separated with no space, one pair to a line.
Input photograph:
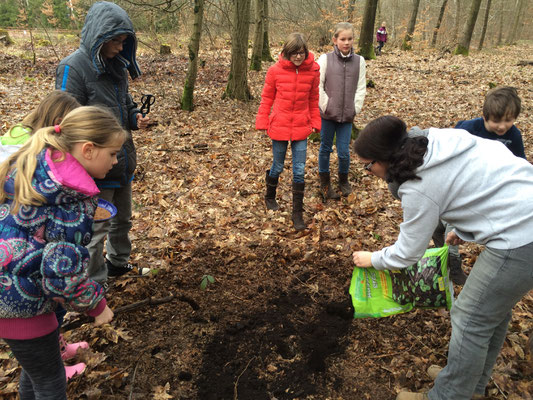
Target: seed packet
[425,284]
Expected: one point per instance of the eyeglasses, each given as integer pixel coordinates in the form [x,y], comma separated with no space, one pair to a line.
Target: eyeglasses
[368,166]
[298,54]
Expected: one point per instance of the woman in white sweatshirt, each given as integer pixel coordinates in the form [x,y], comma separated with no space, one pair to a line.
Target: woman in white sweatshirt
[484,191]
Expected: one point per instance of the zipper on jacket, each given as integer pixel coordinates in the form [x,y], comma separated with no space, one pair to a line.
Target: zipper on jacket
[293,103]
[343,89]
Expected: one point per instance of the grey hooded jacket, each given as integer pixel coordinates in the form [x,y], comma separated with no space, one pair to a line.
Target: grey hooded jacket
[84,75]
[476,185]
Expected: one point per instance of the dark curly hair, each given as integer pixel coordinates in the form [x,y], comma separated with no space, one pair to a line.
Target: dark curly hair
[385,139]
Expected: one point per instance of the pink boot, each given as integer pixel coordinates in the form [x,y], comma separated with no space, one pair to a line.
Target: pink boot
[68,350]
[73,370]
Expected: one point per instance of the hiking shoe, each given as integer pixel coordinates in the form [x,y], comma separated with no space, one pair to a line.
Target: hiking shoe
[412,396]
[69,350]
[113,271]
[433,371]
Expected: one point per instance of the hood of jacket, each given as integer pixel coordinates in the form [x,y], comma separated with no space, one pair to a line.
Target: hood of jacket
[103,22]
[452,143]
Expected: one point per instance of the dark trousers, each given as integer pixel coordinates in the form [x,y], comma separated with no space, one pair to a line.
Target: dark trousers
[43,373]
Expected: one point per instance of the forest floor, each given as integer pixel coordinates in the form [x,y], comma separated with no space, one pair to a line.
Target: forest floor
[276,322]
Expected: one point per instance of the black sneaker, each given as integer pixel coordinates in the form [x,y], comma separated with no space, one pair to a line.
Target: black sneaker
[114,271]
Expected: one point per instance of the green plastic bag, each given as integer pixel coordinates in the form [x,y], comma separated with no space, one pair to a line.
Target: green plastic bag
[423,285]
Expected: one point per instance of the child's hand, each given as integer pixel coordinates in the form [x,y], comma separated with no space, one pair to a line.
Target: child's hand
[104,317]
[142,122]
[362,259]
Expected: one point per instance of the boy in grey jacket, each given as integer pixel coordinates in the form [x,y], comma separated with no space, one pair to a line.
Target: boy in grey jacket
[95,74]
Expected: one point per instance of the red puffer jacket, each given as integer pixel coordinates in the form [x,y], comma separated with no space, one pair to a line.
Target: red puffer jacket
[292,93]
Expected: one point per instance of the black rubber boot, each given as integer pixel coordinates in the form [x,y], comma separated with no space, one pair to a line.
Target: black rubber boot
[270,196]
[298,206]
[457,274]
[325,187]
[344,185]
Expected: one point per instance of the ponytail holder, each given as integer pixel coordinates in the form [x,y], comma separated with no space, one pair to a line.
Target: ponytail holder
[57,129]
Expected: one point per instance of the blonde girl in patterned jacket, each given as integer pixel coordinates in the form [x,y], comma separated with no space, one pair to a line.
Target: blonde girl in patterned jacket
[47,205]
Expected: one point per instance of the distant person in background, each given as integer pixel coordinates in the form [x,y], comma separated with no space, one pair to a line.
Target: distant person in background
[381,37]
[342,93]
[500,111]
[97,74]
[289,113]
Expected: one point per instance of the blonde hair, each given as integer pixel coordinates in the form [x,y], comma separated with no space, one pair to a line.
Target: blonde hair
[294,43]
[342,26]
[49,112]
[83,124]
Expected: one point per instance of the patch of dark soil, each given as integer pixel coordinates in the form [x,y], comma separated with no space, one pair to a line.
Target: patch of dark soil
[279,352]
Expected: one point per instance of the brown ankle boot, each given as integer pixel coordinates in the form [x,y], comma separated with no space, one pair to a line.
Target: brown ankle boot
[344,185]
[325,187]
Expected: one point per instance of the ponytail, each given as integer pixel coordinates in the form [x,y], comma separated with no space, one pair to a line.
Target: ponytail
[83,124]
[385,139]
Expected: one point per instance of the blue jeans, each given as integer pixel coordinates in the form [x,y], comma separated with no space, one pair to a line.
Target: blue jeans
[480,317]
[344,135]
[43,372]
[299,154]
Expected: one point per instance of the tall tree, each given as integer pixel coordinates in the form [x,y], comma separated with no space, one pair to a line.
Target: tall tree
[439,21]
[366,37]
[408,39]
[516,21]
[257,52]
[237,87]
[457,20]
[500,30]
[485,23]
[194,47]
[466,36]
[266,56]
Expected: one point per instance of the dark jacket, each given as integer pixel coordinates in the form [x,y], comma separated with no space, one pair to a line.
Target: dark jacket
[85,75]
[43,257]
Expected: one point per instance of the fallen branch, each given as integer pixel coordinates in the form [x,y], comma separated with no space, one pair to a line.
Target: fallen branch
[84,319]
[525,62]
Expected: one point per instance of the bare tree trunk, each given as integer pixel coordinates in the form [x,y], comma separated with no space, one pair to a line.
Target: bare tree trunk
[500,33]
[257,51]
[516,21]
[439,21]
[266,56]
[407,40]
[457,20]
[237,87]
[194,47]
[366,37]
[485,23]
[466,36]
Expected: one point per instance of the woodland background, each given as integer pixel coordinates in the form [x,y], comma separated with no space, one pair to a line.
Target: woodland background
[238,305]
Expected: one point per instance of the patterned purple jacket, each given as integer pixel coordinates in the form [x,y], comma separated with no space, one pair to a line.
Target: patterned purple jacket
[43,259]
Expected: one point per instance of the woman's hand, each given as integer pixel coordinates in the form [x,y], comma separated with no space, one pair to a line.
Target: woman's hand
[453,239]
[104,317]
[362,259]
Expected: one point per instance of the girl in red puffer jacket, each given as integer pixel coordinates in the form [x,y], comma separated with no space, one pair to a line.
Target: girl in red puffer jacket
[289,113]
